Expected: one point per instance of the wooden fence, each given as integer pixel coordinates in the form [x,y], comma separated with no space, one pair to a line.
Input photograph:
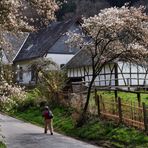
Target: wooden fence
[131,114]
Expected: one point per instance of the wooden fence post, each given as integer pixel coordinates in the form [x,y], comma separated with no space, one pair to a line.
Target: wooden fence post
[119,110]
[145,117]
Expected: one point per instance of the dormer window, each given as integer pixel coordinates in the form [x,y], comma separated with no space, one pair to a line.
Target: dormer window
[29,47]
[62,65]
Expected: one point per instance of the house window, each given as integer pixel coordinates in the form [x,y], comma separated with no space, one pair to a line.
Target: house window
[21,74]
[62,65]
[29,47]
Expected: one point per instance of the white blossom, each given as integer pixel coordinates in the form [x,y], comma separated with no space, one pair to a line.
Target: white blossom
[114,33]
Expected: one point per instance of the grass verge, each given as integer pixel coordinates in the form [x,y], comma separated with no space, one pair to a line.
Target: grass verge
[127,97]
[2,145]
[101,133]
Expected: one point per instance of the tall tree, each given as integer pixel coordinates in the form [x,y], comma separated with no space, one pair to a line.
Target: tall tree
[115,33]
[20,14]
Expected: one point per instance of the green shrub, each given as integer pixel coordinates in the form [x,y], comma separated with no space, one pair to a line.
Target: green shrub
[128,136]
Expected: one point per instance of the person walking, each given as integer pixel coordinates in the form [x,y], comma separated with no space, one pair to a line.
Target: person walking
[48,121]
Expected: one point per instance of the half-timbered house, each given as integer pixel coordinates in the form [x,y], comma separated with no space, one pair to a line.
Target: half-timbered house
[116,74]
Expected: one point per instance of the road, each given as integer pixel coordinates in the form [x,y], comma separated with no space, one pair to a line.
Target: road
[19,134]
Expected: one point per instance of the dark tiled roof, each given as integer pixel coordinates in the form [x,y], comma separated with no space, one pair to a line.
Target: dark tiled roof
[14,43]
[82,58]
[39,43]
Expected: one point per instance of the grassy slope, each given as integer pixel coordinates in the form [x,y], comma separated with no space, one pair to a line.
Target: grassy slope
[2,145]
[125,96]
[98,132]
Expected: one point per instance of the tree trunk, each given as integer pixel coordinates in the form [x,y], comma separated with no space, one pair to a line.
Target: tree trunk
[83,116]
[88,96]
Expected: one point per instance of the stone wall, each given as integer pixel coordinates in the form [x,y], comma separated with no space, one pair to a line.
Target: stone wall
[77,101]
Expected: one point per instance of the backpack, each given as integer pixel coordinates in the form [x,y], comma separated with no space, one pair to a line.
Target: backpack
[50,114]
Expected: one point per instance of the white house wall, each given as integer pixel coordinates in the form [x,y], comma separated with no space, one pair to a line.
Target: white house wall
[104,79]
[86,74]
[128,75]
[131,74]
[75,72]
[59,58]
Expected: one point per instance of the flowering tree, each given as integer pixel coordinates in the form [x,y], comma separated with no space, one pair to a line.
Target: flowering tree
[11,96]
[115,33]
[20,14]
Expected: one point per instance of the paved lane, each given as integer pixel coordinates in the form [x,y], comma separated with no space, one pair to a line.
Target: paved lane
[19,134]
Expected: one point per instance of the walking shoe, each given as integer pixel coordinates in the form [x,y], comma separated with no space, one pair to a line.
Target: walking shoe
[51,133]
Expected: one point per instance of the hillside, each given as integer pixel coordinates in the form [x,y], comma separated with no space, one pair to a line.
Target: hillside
[72,8]
[120,3]
[90,7]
